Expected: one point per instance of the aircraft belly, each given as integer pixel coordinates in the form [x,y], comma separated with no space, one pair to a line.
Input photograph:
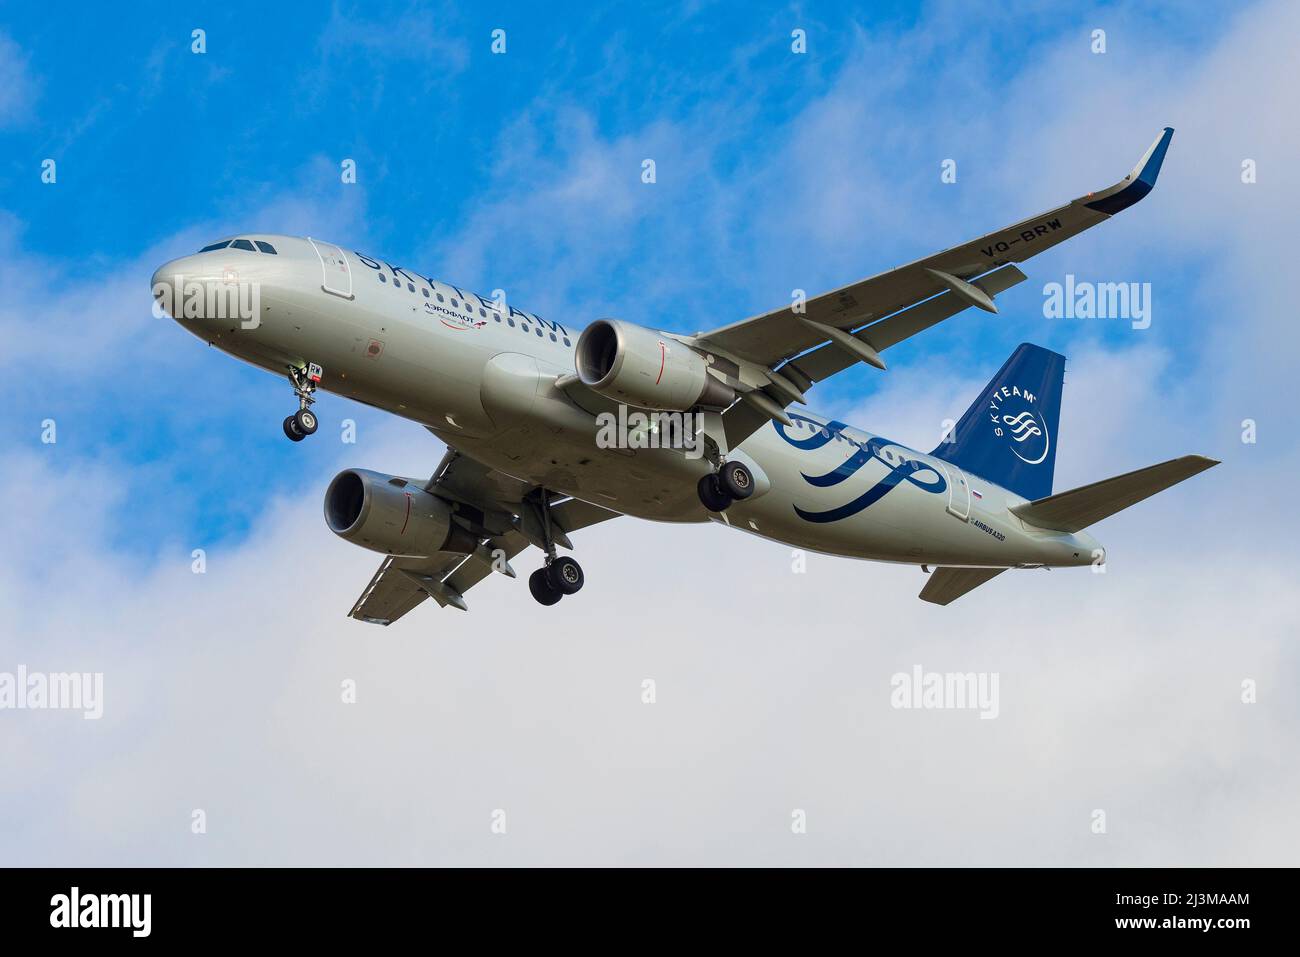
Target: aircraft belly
[503,408]
[645,483]
[370,356]
[399,366]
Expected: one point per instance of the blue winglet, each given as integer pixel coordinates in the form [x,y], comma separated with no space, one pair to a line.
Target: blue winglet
[1139,182]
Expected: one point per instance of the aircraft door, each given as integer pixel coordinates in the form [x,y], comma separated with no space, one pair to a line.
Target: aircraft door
[337,275]
[958,492]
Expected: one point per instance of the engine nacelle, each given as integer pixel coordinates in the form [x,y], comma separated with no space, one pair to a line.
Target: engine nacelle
[647,369]
[387,515]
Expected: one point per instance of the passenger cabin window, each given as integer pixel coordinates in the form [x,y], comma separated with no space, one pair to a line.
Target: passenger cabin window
[215,246]
[264,247]
[243,244]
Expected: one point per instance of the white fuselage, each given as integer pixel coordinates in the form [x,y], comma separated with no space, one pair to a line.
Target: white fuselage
[482,377]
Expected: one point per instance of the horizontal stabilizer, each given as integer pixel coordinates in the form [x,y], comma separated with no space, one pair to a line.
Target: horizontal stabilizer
[1078,508]
[946,585]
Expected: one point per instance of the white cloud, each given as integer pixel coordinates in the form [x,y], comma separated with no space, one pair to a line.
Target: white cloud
[222,692]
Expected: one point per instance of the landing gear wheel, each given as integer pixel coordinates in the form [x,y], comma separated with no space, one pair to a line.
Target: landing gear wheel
[712,494]
[564,575]
[737,480]
[541,588]
[304,421]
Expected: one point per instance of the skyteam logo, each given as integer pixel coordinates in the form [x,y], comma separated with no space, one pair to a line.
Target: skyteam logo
[1015,418]
[900,466]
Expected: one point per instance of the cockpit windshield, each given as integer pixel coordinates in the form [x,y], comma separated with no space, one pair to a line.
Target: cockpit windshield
[244,244]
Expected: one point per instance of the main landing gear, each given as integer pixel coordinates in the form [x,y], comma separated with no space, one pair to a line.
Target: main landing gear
[553,581]
[303,422]
[559,576]
[731,483]
[728,481]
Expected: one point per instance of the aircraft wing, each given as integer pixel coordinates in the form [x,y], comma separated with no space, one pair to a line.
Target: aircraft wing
[781,334]
[501,511]
[863,319]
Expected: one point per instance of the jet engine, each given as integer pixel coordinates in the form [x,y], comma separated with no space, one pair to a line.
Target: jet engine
[386,514]
[638,366]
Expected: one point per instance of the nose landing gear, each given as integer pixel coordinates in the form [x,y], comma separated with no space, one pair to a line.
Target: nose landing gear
[303,422]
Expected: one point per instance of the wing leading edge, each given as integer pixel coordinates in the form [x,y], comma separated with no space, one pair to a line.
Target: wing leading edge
[779,335]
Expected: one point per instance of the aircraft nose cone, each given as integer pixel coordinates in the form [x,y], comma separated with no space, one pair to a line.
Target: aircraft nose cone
[174,280]
[166,285]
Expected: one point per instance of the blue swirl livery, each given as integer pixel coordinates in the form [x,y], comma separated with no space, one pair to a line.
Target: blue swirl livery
[917,473]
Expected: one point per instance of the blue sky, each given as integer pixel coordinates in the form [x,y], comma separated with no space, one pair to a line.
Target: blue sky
[518,171]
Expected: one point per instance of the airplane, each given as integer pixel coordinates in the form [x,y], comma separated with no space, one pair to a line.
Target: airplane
[518,399]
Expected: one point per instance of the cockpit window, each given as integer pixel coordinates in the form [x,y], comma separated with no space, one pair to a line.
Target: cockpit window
[242,244]
[265,247]
[221,245]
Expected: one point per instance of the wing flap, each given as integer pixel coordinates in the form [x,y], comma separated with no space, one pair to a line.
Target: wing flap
[742,420]
[391,593]
[825,361]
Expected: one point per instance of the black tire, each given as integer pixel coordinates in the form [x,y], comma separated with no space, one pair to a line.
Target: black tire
[737,480]
[291,430]
[541,588]
[305,420]
[712,494]
[565,576]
